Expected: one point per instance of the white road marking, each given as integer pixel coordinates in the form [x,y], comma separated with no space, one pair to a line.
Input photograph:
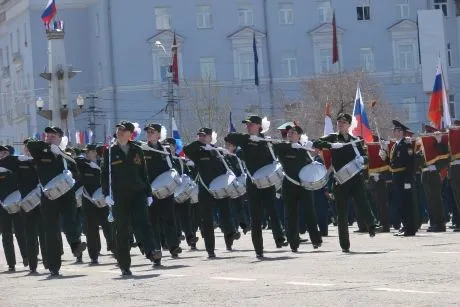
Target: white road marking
[446,252]
[404,290]
[233,278]
[298,283]
[173,275]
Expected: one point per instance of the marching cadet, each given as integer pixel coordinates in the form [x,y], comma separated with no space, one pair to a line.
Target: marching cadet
[161,211]
[256,155]
[33,221]
[344,151]
[293,156]
[210,166]
[90,178]
[126,187]
[454,176]
[8,185]
[401,161]
[51,161]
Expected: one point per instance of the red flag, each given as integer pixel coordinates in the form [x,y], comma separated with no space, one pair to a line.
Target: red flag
[335,50]
[175,64]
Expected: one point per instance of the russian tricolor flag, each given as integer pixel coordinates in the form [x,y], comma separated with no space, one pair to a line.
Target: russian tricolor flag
[360,124]
[176,136]
[49,12]
[439,107]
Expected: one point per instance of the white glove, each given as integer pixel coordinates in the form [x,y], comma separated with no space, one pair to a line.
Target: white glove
[383,154]
[4,170]
[296,145]
[376,177]
[223,150]
[407,186]
[93,165]
[55,149]
[336,145]
[189,163]
[109,201]
[207,147]
[24,158]
[255,138]
[438,137]
[308,145]
[360,159]
[149,201]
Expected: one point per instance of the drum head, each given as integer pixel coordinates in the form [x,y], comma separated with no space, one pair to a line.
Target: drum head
[266,170]
[222,181]
[312,172]
[14,197]
[164,179]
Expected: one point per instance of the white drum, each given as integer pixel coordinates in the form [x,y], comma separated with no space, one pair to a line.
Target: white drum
[185,190]
[348,171]
[165,184]
[224,186]
[268,175]
[98,198]
[32,200]
[194,195]
[11,202]
[59,185]
[241,186]
[79,193]
[313,176]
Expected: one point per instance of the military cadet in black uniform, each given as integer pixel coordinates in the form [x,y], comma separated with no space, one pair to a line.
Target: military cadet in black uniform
[131,192]
[90,178]
[161,211]
[50,163]
[9,184]
[354,187]
[33,221]
[293,157]
[209,167]
[401,160]
[256,155]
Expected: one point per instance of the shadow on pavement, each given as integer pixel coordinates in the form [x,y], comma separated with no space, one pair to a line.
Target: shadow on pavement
[62,277]
[365,253]
[273,259]
[166,267]
[139,277]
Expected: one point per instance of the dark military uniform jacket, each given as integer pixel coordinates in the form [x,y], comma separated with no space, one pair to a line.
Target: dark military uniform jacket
[155,161]
[233,164]
[90,177]
[207,162]
[8,177]
[129,172]
[255,154]
[292,159]
[401,159]
[27,176]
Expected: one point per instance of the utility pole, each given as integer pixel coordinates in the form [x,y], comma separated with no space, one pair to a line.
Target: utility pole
[171,102]
[92,115]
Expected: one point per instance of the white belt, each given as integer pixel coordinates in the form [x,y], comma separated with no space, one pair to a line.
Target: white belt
[456,162]
[429,168]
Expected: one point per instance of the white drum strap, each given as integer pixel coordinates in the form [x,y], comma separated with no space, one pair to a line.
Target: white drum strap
[247,171]
[292,180]
[203,184]
[355,148]
[270,148]
[221,157]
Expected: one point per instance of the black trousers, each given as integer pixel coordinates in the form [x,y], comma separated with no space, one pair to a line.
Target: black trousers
[94,218]
[432,187]
[8,222]
[260,199]
[185,221]
[404,200]
[206,204]
[455,184]
[64,206]
[293,196]
[379,193]
[163,219]
[131,209]
[354,188]
[35,235]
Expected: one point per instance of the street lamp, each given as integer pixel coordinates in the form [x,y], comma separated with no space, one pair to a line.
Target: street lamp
[158,44]
[63,110]
[40,103]
[80,101]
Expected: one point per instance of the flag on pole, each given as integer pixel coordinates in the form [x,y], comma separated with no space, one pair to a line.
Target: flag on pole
[360,124]
[176,136]
[438,110]
[231,127]
[335,48]
[256,60]
[328,127]
[175,64]
[49,12]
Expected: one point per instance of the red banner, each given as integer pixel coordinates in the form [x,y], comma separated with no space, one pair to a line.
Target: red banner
[376,164]
[431,153]
[327,158]
[454,142]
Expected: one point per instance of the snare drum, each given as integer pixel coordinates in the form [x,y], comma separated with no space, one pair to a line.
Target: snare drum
[194,195]
[79,196]
[224,186]
[313,176]
[59,185]
[268,175]
[11,202]
[32,200]
[348,171]
[241,186]
[165,184]
[185,190]
[98,198]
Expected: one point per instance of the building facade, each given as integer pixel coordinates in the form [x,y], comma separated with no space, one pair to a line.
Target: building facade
[124,70]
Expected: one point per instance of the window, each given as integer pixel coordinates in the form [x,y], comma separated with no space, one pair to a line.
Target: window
[1,58]
[246,64]
[204,17]
[325,57]
[441,5]
[402,9]
[164,62]
[406,57]
[364,11]
[25,34]
[98,25]
[7,52]
[366,56]
[208,68]
[449,55]
[245,16]
[18,39]
[11,42]
[289,66]
[162,18]
[324,11]
[452,106]
[286,16]
[410,108]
